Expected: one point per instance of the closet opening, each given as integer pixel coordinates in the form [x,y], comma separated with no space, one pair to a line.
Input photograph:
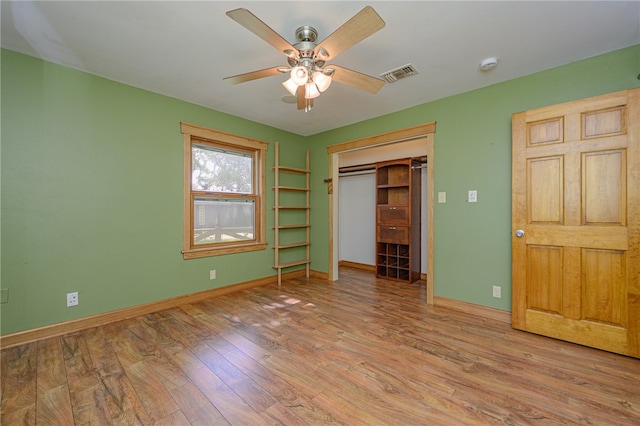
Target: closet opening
[352,201]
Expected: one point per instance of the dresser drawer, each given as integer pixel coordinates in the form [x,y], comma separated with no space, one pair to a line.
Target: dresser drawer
[393,215]
[393,234]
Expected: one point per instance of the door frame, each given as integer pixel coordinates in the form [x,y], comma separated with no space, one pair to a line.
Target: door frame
[427,131]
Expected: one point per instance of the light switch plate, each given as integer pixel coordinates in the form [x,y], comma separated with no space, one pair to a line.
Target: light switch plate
[473,196]
[442,197]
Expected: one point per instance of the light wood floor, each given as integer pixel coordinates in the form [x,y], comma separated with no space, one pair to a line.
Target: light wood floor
[359,351]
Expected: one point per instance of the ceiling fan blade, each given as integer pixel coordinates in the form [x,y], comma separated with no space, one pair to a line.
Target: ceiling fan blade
[357,80]
[356,29]
[302,101]
[253,75]
[259,28]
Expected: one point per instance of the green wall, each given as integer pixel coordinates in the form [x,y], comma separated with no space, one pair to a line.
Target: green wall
[92,195]
[473,151]
[92,186]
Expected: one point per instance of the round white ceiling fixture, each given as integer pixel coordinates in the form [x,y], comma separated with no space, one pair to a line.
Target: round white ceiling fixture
[489,64]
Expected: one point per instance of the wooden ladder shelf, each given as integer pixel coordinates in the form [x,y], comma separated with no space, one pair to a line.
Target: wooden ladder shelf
[298,213]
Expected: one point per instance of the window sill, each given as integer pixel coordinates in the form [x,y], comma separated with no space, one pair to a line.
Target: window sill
[218,251]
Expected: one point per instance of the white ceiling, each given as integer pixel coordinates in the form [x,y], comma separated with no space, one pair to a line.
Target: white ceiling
[184,49]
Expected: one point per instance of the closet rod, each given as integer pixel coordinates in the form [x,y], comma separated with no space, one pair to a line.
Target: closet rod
[357,173]
[369,167]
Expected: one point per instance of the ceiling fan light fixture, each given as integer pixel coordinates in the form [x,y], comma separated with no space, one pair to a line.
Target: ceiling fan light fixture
[299,75]
[311,90]
[322,54]
[291,86]
[321,80]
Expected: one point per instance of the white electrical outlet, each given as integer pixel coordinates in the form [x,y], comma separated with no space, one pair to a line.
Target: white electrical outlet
[497,291]
[212,274]
[472,196]
[72,299]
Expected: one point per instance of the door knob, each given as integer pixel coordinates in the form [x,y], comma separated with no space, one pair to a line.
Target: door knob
[519,233]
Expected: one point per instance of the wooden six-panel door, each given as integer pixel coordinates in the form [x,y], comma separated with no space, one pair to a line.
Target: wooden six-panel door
[576,222]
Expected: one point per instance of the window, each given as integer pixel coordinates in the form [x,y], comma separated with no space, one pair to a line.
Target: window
[224,187]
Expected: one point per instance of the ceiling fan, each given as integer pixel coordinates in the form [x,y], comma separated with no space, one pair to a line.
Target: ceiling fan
[307,61]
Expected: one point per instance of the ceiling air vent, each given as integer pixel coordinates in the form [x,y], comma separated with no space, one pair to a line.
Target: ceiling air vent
[399,73]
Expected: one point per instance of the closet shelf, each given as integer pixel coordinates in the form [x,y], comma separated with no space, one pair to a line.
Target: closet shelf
[393,186]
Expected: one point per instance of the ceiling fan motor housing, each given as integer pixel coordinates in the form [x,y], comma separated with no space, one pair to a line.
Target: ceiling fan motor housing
[306,37]
[306,33]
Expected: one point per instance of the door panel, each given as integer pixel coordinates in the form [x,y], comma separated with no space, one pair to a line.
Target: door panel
[544,276]
[576,197]
[604,187]
[545,188]
[603,282]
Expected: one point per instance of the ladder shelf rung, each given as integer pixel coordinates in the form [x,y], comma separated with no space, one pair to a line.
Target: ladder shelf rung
[290,188]
[286,246]
[291,207]
[290,169]
[291,226]
[294,263]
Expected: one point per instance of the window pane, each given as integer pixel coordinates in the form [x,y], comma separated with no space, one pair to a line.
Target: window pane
[222,220]
[218,170]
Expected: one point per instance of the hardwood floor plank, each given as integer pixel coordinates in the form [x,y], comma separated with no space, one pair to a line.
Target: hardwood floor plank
[18,405]
[290,400]
[221,396]
[343,411]
[54,406]
[122,402]
[54,403]
[51,370]
[293,415]
[157,359]
[224,399]
[196,407]
[191,330]
[203,320]
[76,357]
[357,351]
[156,400]
[87,401]
[158,327]
[134,345]
[242,385]
[177,418]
